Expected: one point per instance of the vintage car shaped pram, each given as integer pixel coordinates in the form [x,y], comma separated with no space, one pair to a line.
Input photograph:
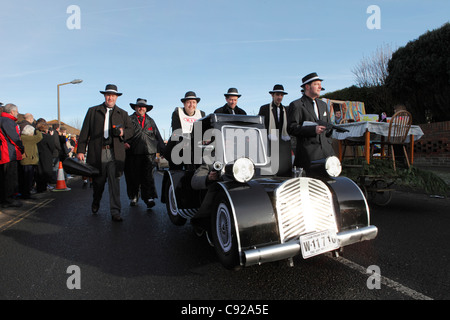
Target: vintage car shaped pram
[251,216]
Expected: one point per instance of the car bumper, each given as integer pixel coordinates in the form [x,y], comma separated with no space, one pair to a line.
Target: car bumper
[292,248]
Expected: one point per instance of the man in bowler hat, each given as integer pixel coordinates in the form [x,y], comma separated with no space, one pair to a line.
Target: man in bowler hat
[104,130]
[231,107]
[142,151]
[313,141]
[275,121]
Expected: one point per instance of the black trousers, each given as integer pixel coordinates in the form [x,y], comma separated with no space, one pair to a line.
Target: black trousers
[9,180]
[26,179]
[44,175]
[139,176]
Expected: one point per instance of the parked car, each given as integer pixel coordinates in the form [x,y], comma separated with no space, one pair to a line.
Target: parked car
[251,216]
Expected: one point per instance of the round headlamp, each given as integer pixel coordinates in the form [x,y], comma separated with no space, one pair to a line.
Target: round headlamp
[242,170]
[333,166]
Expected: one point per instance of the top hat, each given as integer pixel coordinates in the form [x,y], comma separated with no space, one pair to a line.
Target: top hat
[232,92]
[141,103]
[111,88]
[190,95]
[310,78]
[278,88]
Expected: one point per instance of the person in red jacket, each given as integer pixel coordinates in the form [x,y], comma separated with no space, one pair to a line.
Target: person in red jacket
[11,149]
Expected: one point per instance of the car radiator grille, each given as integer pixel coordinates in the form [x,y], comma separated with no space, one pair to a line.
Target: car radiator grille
[304,205]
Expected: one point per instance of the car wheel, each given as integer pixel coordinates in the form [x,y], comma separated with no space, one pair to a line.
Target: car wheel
[379,193]
[224,234]
[171,206]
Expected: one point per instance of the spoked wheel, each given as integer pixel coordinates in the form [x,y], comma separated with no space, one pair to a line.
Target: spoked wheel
[171,206]
[379,192]
[224,234]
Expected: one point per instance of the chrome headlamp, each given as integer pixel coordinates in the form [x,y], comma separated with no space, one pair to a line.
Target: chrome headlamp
[330,167]
[242,170]
[333,166]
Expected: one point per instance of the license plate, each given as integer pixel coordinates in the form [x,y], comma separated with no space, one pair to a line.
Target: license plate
[319,242]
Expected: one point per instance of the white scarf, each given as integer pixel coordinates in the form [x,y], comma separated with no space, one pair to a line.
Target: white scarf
[284,134]
[188,121]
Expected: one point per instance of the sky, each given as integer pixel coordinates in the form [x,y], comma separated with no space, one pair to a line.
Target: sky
[160,49]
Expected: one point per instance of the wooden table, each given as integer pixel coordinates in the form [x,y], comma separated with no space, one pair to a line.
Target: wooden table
[367,131]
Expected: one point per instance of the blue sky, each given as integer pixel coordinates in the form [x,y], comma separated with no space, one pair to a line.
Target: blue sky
[158,50]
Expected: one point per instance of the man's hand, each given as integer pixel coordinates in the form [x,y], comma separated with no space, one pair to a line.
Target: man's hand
[213,175]
[80,156]
[320,129]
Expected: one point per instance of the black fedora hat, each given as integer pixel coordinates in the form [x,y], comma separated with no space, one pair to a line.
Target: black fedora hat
[190,95]
[278,88]
[310,78]
[141,103]
[111,88]
[232,92]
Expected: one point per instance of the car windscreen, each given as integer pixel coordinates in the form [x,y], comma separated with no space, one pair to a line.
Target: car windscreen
[239,142]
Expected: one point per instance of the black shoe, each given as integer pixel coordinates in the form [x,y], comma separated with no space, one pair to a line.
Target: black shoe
[134,201]
[95,207]
[150,203]
[117,218]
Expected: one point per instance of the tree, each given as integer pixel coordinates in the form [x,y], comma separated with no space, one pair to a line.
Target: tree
[372,71]
[419,75]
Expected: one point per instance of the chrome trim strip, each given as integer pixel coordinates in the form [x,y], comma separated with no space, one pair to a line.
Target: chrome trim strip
[235,222]
[184,213]
[173,191]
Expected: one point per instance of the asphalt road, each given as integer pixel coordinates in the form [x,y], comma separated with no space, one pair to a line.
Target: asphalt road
[54,243]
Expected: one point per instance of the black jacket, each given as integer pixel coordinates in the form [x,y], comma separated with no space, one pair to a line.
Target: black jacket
[91,136]
[310,146]
[147,138]
[227,110]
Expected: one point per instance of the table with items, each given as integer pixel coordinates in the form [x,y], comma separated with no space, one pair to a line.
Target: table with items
[369,131]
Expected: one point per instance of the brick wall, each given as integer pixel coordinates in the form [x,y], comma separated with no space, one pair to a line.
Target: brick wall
[433,149]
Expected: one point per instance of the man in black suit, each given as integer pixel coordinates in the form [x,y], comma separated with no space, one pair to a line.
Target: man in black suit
[104,130]
[231,107]
[313,141]
[275,121]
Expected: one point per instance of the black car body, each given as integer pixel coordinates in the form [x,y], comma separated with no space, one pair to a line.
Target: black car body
[265,217]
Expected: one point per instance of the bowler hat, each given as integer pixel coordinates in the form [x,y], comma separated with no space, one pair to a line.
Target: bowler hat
[190,95]
[232,92]
[141,103]
[111,88]
[310,78]
[278,88]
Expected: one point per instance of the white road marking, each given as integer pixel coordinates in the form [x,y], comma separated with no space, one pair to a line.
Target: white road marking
[386,281]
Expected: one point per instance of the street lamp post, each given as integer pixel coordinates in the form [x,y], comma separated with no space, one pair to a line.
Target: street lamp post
[76,81]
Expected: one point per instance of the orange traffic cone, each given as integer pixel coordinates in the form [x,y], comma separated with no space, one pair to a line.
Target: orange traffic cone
[60,181]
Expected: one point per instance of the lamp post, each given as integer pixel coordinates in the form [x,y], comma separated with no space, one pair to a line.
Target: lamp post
[76,81]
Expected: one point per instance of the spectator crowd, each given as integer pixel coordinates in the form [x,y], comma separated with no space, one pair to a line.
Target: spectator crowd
[30,154]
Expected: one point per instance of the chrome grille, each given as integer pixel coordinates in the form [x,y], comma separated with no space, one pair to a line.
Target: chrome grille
[304,205]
